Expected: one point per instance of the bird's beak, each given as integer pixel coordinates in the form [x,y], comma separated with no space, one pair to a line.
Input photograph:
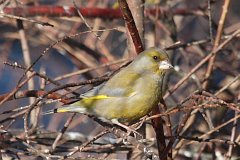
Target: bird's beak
[165,65]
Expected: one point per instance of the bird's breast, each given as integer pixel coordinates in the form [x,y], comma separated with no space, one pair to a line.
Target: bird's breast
[145,95]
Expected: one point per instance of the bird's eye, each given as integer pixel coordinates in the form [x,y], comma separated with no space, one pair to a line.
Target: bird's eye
[155,57]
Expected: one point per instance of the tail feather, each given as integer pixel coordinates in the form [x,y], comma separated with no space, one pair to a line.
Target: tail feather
[50,111]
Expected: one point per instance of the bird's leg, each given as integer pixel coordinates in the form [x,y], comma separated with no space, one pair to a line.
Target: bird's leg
[129,130]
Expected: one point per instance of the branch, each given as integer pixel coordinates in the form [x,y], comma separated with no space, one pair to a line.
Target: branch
[61,11]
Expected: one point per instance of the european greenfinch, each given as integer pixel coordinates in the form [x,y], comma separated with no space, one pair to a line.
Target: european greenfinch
[128,95]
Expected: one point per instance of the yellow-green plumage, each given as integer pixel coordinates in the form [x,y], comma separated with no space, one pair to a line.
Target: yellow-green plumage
[130,94]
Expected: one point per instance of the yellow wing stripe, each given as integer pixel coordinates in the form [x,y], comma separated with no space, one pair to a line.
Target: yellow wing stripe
[97,97]
[89,101]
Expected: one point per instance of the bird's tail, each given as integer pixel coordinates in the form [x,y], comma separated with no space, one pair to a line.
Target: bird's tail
[50,111]
[69,108]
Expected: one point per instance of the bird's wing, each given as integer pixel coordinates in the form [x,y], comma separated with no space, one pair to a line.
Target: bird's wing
[92,92]
[119,85]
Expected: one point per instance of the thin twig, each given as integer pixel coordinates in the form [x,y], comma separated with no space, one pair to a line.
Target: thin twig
[232,139]
[26,19]
[16,89]
[56,42]
[210,21]
[63,130]
[201,63]
[217,41]
[84,20]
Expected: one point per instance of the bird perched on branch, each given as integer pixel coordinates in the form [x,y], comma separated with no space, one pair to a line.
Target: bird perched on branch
[128,95]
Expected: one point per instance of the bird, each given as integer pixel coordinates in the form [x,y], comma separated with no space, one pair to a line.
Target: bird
[128,95]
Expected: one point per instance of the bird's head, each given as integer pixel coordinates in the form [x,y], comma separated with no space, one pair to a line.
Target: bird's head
[152,60]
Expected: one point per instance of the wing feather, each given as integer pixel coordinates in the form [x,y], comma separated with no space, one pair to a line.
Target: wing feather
[119,85]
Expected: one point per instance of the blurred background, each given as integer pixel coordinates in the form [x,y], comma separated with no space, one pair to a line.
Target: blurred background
[59,32]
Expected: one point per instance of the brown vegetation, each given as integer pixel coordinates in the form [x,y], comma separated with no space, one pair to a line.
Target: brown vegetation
[52,51]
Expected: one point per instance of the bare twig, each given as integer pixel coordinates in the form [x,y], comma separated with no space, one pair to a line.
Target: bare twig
[26,19]
[203,61]
[84,20]
[53,44]
[217,41]
[59,136]
[127,15]
[233,135]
